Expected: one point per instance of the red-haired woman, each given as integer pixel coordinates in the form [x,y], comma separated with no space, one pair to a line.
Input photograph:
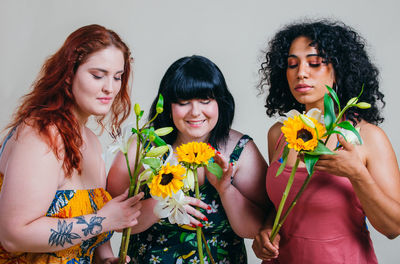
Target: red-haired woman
[52,174]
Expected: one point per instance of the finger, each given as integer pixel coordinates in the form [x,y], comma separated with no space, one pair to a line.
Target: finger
[196,213]
[194,222]
[122,196]
[221,161]
[135,199]
[346,145]
[197,202]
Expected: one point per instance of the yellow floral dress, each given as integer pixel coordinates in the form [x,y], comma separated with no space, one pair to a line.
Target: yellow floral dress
[66,204]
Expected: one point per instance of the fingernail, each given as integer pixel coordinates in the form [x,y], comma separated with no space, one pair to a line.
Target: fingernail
[218,152]
[192,225]
[209,208]
[205,219]
[200,225]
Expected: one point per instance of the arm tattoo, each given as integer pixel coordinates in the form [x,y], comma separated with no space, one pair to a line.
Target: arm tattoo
[94,226]
[63,234]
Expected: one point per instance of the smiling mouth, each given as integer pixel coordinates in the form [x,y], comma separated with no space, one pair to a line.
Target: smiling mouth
[196,123]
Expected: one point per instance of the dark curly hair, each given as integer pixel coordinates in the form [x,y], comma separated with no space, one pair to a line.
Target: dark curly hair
[338,44]
[195,77]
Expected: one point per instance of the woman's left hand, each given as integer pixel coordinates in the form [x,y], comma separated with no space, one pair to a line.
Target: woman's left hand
[228,170]
[346,162]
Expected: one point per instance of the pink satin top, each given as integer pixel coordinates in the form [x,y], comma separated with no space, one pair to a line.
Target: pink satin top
[327,225]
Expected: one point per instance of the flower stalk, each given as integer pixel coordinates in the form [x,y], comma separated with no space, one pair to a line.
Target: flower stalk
[198,228]
[299,141]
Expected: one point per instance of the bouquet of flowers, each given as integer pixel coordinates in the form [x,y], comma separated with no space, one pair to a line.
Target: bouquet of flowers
[149,151]
[308,134]
[173,182]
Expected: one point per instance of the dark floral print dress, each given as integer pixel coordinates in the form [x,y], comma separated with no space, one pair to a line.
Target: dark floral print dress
[169,243]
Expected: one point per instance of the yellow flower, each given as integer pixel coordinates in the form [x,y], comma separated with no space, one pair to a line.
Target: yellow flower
[195,153]
[167,181]
[300,136]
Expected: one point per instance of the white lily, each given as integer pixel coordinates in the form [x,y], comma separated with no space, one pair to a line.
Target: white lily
[314,113]
[123,140]
[349,135]
[188,181]
[173,208]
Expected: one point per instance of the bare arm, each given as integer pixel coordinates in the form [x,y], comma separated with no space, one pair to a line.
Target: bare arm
[373,170]
[247,195]
[31,176]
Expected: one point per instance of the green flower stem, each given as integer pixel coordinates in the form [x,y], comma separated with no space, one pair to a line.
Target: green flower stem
[198,228]
[207,249]
[293,203]
[276,227]
[133,190]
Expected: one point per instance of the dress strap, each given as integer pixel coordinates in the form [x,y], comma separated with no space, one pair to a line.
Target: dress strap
[7,138]
[237,151]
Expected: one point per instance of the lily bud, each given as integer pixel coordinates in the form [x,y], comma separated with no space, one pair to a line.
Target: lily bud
[137,109]
[145,175]
[363,105]
[159,110]
[157,151]
[307,121]
[163,131]
[188,181]
[352,101]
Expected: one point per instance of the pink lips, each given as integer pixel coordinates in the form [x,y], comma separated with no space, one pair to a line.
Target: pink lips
[195,123]
[104,100]
[302,88]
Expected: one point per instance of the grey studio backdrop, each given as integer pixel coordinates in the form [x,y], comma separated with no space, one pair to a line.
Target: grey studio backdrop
[230,33]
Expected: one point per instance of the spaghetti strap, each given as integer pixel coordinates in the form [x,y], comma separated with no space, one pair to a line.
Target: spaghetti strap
[237,151]
[7,138]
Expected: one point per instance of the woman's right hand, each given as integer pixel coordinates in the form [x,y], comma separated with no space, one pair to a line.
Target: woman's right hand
[193,212]
[122,212]
[263,248]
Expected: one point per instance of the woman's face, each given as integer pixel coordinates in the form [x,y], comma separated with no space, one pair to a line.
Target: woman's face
[97,82]
[194,119]
[308,73]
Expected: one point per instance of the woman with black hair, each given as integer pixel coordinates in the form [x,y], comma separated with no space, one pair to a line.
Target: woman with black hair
[199,106]
[327,225]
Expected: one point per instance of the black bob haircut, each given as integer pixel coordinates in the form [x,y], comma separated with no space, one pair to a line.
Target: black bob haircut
[338,44]
[195,77]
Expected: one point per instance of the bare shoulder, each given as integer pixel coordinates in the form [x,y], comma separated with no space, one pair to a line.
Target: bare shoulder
[372,135]
[274,133]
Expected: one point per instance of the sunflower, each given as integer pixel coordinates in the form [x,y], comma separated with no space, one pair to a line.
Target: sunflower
[167,181]
[195,153]
[299,136]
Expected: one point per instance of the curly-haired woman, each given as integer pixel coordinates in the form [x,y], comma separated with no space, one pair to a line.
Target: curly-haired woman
[328,223]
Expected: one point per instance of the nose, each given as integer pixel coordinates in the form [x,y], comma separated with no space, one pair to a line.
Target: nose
[195,111]
[303,71]
[108,86]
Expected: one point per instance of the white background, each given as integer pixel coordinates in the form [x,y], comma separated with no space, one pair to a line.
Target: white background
[230,33]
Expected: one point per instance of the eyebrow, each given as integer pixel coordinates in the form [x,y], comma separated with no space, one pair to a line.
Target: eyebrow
[105,71]
[308,55]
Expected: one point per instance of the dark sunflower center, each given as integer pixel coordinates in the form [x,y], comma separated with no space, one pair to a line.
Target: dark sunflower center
[166,178]
[195,154]
[304,134]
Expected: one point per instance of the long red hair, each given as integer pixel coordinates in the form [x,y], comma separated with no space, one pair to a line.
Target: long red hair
[49,105]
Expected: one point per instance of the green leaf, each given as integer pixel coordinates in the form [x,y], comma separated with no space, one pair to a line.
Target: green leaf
[154,163]
[333,94]
[348,126]
[283,164]
[215,169]
[310,161]
[159,141]
[321,149]
[140,115]
[134,131]
[185,237]
[329,112]
[160,104]
[337,132]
